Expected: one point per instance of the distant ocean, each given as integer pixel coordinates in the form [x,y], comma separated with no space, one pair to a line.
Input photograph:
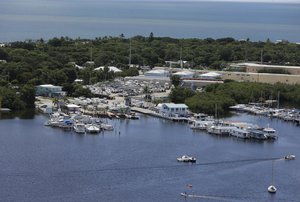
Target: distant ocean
[90,19]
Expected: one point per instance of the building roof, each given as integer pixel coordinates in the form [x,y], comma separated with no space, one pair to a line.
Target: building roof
[265,66]
[111,68]
[173,105]
[157,71]
[184,73]
[210,74]
[49,86]
[72,106]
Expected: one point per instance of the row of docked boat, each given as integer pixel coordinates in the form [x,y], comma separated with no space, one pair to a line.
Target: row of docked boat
[237,129]
[292,115]
[79,123]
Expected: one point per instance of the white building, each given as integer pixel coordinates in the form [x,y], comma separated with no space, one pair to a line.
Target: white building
[210,75]
[184,74]
[49,90]
[157,73]
[110,68]
[172,110]
[73,108]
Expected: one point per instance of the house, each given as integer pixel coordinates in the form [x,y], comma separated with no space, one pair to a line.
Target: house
[72,108]
[184,74]
[49,90]
[110,68]
[157,73]
[172,110]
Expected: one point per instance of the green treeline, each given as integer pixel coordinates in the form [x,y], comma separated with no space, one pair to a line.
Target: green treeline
[231,93]
[38,62]
[17,98]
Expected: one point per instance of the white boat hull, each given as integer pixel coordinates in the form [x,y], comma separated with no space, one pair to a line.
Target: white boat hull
[272,189]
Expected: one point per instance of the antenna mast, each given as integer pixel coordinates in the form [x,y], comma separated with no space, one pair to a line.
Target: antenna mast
[181,65]
[129,53]
[91,54]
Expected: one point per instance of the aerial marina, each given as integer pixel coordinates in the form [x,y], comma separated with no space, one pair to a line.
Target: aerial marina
[125,99]
[144,101]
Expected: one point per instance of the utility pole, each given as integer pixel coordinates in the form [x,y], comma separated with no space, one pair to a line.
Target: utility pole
[91,54]
[181,64]
[129,53]
[278,99]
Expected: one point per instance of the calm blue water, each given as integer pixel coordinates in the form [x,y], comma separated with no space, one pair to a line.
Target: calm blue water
[89,19]
[39,163]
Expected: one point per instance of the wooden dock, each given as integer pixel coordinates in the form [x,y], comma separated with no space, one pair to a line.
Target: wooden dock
[155,114]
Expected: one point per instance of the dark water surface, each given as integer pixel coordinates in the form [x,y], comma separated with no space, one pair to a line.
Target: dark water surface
[35,19]
[40,163]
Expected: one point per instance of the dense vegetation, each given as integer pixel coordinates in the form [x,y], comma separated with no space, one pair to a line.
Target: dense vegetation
[39,62]
[228,94]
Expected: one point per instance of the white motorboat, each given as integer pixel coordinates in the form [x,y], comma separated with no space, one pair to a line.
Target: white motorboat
[290,157]
[200,125]
[92,128]
[240,133]
[272,189]
[220,129]
[186,158]
[79,128]
[106,126]
[270,133]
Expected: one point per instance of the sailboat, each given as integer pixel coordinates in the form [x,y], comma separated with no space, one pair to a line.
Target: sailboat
[272,189]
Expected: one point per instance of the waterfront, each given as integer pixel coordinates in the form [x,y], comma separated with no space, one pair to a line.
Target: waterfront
[39,163]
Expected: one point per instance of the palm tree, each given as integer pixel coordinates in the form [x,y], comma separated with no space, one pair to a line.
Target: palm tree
[55,102]
[147,93]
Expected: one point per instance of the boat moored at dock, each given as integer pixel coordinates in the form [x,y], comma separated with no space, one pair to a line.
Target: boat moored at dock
[79,128]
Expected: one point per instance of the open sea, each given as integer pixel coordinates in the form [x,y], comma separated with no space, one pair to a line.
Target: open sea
[35,19]
[40,163]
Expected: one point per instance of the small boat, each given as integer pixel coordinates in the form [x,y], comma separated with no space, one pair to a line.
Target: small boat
[106,126]
[79,128]
[201,125]
[272,189]
[187,159]
[92,128]
[290,157]
[184,194]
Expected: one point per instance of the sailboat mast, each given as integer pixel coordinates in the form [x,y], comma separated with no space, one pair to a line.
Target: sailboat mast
[216,113]
[278,99]
[181,64]
[91,55]
[272,171]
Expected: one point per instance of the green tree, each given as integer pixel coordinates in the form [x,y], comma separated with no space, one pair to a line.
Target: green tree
[28,96]
[175,80]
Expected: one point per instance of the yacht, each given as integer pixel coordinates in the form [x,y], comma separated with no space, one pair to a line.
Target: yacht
[220,130]
[200,125]
[270,133]
[92,128]
[79,128]
[257,134]
[240,133]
